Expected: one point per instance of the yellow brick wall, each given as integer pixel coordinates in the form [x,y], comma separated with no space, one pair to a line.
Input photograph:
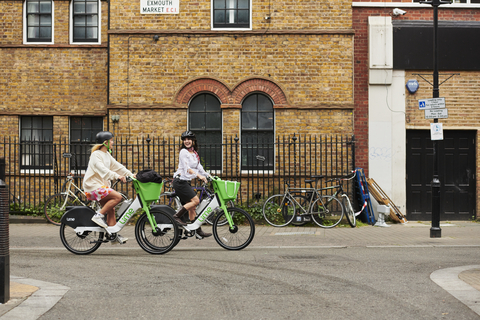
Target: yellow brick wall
[196,15]
[11,25]
[312,69]
[462,98]
[53,81]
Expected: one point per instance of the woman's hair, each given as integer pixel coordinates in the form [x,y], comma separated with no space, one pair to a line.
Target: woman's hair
[194,144]
[96,147]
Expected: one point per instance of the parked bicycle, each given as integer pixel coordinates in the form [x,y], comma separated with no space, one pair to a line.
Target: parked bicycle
[56,205]
[155,230]
[326,211]
[170,198]
[234,234]
[347,205]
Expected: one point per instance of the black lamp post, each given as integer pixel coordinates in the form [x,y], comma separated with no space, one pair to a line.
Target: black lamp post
[435,230]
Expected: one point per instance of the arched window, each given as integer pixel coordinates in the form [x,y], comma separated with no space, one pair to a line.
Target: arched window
[205,120]
[257,133]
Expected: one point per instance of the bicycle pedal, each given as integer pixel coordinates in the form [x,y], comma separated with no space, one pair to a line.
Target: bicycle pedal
[199,237]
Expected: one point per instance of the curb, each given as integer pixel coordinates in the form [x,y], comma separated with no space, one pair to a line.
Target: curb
[37,302]
[14,219]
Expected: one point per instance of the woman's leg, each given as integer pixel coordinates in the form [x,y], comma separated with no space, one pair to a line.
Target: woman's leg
[108,206]
[191,206]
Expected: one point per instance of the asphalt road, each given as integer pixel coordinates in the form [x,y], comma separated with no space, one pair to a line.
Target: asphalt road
[259,282]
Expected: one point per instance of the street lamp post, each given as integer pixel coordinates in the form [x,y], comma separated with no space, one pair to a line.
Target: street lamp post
[435,230]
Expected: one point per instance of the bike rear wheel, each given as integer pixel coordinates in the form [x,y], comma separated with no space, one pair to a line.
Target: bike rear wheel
[279,210]
[158,241]
[56,206]
[327,211]
[349,213]
[240,235]
[84,243]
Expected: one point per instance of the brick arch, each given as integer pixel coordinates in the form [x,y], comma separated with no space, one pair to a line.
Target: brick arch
[203,85]
[259,85]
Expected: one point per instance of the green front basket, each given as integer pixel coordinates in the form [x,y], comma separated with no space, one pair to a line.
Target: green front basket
[149,191]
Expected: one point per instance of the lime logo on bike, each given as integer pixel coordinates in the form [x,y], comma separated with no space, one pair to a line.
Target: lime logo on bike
[127,216]
[205,214]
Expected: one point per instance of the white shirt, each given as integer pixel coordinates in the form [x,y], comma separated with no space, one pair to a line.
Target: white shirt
[187,161]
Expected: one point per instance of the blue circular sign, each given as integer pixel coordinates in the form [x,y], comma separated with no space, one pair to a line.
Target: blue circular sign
[412,85]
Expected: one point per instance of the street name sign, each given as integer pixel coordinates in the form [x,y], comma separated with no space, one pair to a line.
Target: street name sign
[436,113]
[433,103]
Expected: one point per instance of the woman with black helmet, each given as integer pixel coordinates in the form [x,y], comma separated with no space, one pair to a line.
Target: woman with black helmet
[102,168]
[189,167]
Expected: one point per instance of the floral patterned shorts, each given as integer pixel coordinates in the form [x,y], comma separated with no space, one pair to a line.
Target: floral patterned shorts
[99,194]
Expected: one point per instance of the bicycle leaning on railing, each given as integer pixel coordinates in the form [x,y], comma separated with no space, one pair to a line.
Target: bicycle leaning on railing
[339,192]
[56,205]
[326,211]
[155,230]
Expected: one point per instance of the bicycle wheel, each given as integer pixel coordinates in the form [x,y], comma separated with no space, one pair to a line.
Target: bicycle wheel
[158,241]
[237,237]
[349,213]
[279,210]
[84,243]
[327,211]
[212,217]
[302,202]
[56,205]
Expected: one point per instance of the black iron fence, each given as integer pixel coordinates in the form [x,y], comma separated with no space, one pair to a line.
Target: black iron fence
[260,166]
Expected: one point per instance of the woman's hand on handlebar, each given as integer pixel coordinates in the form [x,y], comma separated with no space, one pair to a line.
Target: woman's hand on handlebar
[203,178]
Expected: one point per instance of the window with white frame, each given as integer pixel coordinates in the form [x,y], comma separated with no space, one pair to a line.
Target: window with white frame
[38,22]
[257,133]
[228,14]
[85,21]
[36,142]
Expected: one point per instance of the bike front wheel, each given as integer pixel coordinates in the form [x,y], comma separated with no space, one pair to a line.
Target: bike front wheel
[349,213]
[80,243]
[327,211]
[56,206]
[158,241]
[239,235]
[279,210]
[211,217]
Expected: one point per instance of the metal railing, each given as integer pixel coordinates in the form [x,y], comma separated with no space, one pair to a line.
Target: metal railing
[260,167]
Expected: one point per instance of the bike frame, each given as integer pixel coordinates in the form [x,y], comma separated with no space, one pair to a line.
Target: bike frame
[125,218]
[311,193]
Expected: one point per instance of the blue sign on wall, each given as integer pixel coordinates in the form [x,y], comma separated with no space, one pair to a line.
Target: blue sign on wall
[412,85]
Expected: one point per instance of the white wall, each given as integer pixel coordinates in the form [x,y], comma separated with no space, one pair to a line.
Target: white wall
[386,99]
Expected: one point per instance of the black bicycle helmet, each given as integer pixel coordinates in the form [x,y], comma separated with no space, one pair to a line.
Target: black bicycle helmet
[102,136]
[188,134]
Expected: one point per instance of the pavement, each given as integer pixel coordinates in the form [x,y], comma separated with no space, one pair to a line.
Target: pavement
[30,298]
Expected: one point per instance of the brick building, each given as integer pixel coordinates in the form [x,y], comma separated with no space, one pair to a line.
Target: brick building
[246,68]
[393,134]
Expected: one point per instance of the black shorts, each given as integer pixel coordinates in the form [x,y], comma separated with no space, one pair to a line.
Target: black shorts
[183,190]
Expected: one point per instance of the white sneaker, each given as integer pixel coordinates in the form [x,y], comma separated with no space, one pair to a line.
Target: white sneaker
[99,219]
[119,239]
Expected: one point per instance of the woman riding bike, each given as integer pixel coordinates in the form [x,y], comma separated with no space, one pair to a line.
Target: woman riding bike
[189,167]
[102,168]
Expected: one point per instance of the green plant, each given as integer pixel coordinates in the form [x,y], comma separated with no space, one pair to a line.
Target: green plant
[26,209]
[255,209]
